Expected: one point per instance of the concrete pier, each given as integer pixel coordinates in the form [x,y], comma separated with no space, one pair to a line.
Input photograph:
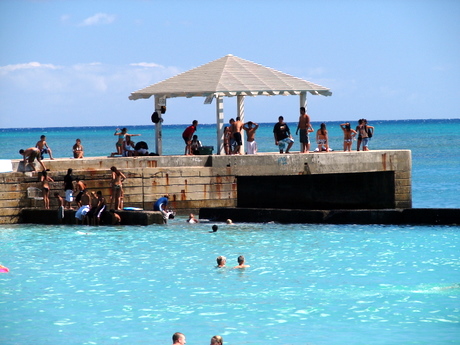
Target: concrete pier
[50,217]
[336,180]
[425,216]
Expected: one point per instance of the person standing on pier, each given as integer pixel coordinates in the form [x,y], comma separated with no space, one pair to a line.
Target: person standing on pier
[237,127]
[121,137]
[68,187]
[305,127]
[251,145]
[187,135]
[117,188]
[45,180]
[348,136]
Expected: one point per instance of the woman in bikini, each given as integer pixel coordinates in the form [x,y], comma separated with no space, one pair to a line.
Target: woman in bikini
[117,188]
[77,149]
[227,137]
[348,136]
[45,180]
[121,137]
[322,138]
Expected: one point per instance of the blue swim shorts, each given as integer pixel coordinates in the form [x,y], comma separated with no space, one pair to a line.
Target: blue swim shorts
[283,142]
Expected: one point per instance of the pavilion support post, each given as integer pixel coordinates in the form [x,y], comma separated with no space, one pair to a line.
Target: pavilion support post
[303,100]
[158,128]
[240,114]
[220,125]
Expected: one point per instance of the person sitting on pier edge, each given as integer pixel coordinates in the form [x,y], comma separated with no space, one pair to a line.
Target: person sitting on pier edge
[195,145]
[142,148]
[128,147]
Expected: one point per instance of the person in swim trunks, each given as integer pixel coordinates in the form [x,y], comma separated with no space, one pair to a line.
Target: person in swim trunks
[30,155]
[251,144]
[43,147]
[304,127]
[68,187]
[237,127]
[80,188]
[282,135]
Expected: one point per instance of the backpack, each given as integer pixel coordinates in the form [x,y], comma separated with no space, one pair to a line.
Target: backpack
[369,132]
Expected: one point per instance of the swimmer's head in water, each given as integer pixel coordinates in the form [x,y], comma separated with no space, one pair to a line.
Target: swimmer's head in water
[214,228]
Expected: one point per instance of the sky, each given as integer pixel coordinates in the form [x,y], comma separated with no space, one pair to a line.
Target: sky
[74,63]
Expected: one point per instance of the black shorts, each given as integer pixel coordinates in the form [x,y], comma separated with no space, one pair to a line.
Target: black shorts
[237,137]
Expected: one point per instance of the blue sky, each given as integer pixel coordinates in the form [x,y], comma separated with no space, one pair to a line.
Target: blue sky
[74,63]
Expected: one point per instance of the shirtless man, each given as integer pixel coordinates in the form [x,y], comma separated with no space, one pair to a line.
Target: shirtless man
[305,127]
[43,147]
[29,156]
[237,126]
[251,145]
[117,187]
[80,187]
[241,262]
[221,260]
[178,338]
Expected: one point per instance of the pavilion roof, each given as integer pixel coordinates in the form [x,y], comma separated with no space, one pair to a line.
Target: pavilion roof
[230,76]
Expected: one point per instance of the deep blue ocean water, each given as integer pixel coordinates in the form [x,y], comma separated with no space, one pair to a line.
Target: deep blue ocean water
[435,146]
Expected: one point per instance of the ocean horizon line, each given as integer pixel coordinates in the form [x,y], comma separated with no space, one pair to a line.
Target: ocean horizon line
[213,124]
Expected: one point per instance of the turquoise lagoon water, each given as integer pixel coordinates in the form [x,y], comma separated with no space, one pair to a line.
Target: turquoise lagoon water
[307,284]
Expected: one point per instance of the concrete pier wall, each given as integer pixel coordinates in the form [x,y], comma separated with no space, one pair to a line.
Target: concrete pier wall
[378,179]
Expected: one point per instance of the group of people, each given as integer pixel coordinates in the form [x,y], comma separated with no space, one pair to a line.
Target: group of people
[222,260]
[282,135]
[232,137]
[90,206]
[126,147]
[178,338]
[41,148]
[363,132]
[36,153]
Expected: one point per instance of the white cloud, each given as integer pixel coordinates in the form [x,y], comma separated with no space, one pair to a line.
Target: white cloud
[30,65]
[99,18]
[146,64]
